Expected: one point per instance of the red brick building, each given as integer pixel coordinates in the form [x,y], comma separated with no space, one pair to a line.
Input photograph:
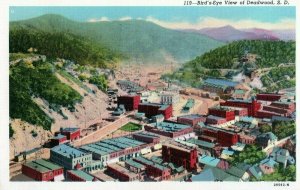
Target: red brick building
[79,175]
[192,119]
[154,170]
[252,105]
[226,113]
[180,155]
[169,129]
[215,120]
[268,97]
[146,137]
[152,109]
[58,139]
[221,136]
[122,173]
[42,170]
[72,133]
[130,102]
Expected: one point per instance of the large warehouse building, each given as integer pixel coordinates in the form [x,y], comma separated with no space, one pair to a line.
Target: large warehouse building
[152,109]
[116,149]
[43,170]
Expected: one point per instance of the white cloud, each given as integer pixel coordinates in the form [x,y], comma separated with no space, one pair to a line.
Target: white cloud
[102,19]
[125,18]
[216,22]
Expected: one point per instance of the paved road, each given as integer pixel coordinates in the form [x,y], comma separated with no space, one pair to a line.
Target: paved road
[102,132]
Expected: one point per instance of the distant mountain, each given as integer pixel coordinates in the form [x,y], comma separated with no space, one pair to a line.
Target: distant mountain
[285,34]
[136,39]
[228,34]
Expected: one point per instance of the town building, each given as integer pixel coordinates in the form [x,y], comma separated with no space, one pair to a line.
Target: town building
[282,156]
[266,139]
[268,97]
[169,98]
[170,129]
[134,166]
[223,112]
[267,166]
[58,139]
[205,148]
[214,174]
[130,102]
[215,120]
[72,133]
[219,86]
[221,136]
[68,156]
[154,170]
[146,137]
[121,173]
[79,175]
[180,155]
[152,109]
[192,119]
[206,160]
[238,172]
[113,150]
[189,104]
[43,170]
[252,105]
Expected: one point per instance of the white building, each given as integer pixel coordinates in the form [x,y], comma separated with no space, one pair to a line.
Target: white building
[169,98]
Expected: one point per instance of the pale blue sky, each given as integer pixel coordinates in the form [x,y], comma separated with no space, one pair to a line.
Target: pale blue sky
[191,15]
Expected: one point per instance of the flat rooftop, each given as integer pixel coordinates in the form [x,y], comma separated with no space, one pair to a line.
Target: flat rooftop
[82,175]
[161,106]
[108,146]
[68,151]
[145,134]
[42,165]
[191,116]
[169,127]
[122,170]
[150,162]
[201,143]
[69,129]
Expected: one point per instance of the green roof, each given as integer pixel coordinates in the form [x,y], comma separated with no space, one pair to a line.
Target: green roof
[201,143]
[239,91]
[235,171]
[42,166]
[82,175]
[135,164]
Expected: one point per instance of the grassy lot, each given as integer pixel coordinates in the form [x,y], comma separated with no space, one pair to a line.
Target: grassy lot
[131,127]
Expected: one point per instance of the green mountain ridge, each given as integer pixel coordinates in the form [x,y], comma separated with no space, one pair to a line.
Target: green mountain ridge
[134,38]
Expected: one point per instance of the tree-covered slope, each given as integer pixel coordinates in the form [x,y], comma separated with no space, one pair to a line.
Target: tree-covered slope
[271,53]
[227,59]
[134,38]
[28,80]
[60,44]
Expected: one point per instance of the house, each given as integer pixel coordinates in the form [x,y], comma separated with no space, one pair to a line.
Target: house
[255,171]
[240,173]
[267,165]
[238,146]
[213,174]
[266,139]
[282,156]
[290,145]
[208,160]
[226,154]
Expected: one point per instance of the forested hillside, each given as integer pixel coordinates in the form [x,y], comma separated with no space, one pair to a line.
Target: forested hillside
[136,39]
[28,80]
[271,53]
[60,44]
